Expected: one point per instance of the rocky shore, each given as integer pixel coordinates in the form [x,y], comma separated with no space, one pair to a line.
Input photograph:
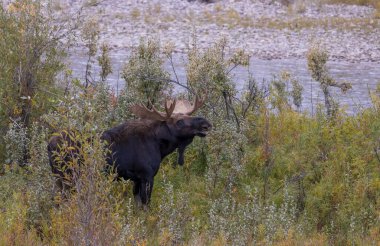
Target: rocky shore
[266,29]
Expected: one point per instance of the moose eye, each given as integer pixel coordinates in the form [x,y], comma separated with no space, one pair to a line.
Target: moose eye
[180,123]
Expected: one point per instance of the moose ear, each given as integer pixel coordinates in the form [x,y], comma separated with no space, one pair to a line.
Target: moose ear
[180,123]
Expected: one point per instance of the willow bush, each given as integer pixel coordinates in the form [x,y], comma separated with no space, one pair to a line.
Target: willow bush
[33,43]
[144,74]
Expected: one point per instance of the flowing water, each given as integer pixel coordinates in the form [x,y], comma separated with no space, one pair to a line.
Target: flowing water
[363,76]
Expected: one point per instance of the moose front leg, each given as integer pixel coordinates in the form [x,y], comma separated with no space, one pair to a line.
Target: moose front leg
[181,151]
[146,188]
[181,158]
[136,193]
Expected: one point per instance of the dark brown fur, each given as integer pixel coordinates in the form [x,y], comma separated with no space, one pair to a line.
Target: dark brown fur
[137,148]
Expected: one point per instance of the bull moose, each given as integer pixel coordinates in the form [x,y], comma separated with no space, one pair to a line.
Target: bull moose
[137,147]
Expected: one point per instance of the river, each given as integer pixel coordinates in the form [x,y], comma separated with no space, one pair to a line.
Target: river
[363,76]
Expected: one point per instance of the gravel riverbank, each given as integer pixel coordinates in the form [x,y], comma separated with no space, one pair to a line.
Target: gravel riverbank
[266,30]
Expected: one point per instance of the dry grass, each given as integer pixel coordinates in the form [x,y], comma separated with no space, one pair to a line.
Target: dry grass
[120,15]
[373,3]
[326,23]
[233,19]
[135,14]
[355,2]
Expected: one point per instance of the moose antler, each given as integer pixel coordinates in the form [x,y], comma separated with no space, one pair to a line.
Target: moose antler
[198,103]
[182,107]
[143,112]
[169,107]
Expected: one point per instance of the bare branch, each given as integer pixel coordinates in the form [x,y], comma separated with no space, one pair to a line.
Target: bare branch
[377,153]
[172,65]
[168,81]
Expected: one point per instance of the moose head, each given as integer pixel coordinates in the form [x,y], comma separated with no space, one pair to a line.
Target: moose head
[178,117]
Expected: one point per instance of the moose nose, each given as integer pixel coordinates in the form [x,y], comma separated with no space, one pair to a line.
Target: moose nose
[207,127]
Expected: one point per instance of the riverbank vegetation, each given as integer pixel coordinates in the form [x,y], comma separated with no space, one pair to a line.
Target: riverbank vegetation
[268,173]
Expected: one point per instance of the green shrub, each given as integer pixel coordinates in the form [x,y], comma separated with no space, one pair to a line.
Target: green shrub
[144,74]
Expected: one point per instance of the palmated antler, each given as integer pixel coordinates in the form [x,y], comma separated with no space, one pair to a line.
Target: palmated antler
[184,106]
[198,103]
[169,107]
[143,112]
[172,108]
